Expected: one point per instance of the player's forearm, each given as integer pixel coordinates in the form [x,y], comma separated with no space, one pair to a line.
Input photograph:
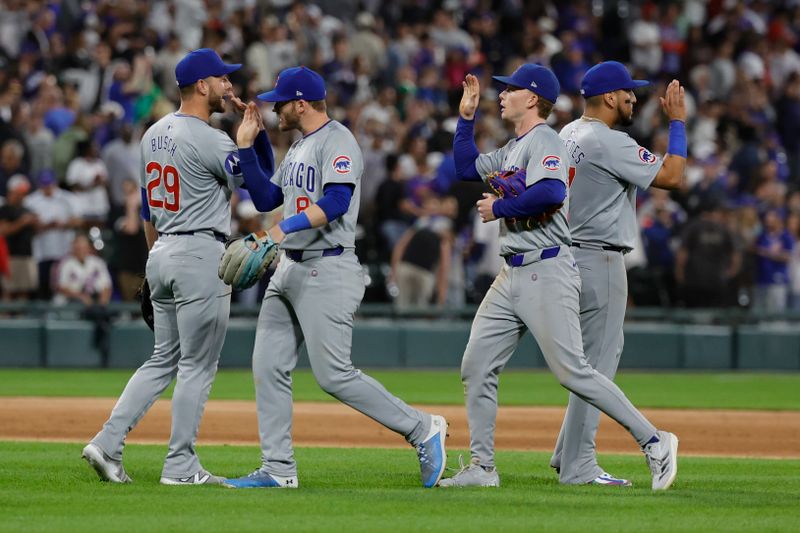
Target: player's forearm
[265,195]
[263,150]
[535,200]
[150,234]
[465,151]
[671,175]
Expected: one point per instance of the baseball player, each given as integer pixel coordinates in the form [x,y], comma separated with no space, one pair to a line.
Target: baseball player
[606,167]
[318,285]
[539,285]
[189,171]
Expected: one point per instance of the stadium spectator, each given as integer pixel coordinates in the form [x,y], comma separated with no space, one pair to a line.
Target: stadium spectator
[11,162]
[130,247]
[17,226]
[121,158]
[773,251]
[84,278]
[56,211]
[707,260]
[87,177]
[421,260]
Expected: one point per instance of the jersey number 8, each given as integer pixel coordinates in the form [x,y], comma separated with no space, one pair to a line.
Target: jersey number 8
[172,186]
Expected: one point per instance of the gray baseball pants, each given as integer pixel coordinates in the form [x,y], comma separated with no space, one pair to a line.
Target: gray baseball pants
[314,301]
[191,308]
[542,296]
[604,294]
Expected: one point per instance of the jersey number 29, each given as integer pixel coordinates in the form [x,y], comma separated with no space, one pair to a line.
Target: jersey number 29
[167,174]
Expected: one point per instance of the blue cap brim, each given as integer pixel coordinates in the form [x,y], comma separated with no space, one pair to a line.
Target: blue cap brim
[635,84]
[233,67]
[505,80]
[274,96]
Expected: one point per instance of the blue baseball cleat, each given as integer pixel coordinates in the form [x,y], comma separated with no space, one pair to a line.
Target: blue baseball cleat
[261,480]
[431,452]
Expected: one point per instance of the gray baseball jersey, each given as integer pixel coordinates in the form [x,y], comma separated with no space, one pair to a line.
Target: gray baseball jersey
[188,171]
[539,293]
[606,168]
[327,155]
[541,153]
[312,298]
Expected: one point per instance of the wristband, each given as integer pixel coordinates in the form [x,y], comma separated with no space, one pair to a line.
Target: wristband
[294,223]
[677,138]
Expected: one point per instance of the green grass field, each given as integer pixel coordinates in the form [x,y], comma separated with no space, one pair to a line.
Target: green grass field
[47,487]
[668,390]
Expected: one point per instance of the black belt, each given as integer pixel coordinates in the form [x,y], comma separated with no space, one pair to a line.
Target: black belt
[217,235]
[304,255]
[610,248]
[519,259]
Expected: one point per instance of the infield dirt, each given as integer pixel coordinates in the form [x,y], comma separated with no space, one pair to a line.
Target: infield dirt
[701,432]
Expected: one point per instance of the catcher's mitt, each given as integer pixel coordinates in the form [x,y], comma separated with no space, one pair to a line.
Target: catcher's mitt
[510,184]
[146,305]
[246,260]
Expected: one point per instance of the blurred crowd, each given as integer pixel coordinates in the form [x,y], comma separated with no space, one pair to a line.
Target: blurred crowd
[81,80]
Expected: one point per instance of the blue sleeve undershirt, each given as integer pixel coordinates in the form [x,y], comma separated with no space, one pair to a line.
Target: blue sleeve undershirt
[265,195]
[535,200]
[264,152]
[145,212]
[465,152]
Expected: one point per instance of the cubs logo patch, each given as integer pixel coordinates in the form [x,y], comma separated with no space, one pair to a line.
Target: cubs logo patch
[232,164]
[551,162]
[646,156]
[342,164]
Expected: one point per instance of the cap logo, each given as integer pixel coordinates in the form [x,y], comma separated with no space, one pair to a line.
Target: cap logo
[342,164]
[533,84]
[298,93]
[551,162]
[646,156]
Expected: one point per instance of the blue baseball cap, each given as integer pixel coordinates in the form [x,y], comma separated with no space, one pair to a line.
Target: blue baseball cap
[296,83]
[46,177]
[535,78]
[606,77]
[200,64]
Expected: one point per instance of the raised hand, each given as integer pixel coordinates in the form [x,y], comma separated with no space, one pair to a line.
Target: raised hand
[674,102]
[470,98]
[250,126]
[238,105]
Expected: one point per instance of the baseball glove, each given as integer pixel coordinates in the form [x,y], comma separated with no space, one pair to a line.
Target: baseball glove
[146,305]
[510,184]
[246,260]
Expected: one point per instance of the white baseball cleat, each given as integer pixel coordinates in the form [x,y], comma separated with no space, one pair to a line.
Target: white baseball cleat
[607,480]
[107,468]
[472,475]
[202,477]
[662,458]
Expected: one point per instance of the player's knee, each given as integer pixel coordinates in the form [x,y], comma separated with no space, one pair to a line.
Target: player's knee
[334,382]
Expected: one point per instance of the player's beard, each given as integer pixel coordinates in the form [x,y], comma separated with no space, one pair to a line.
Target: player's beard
[216,103]
[625,119]
[291,120]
